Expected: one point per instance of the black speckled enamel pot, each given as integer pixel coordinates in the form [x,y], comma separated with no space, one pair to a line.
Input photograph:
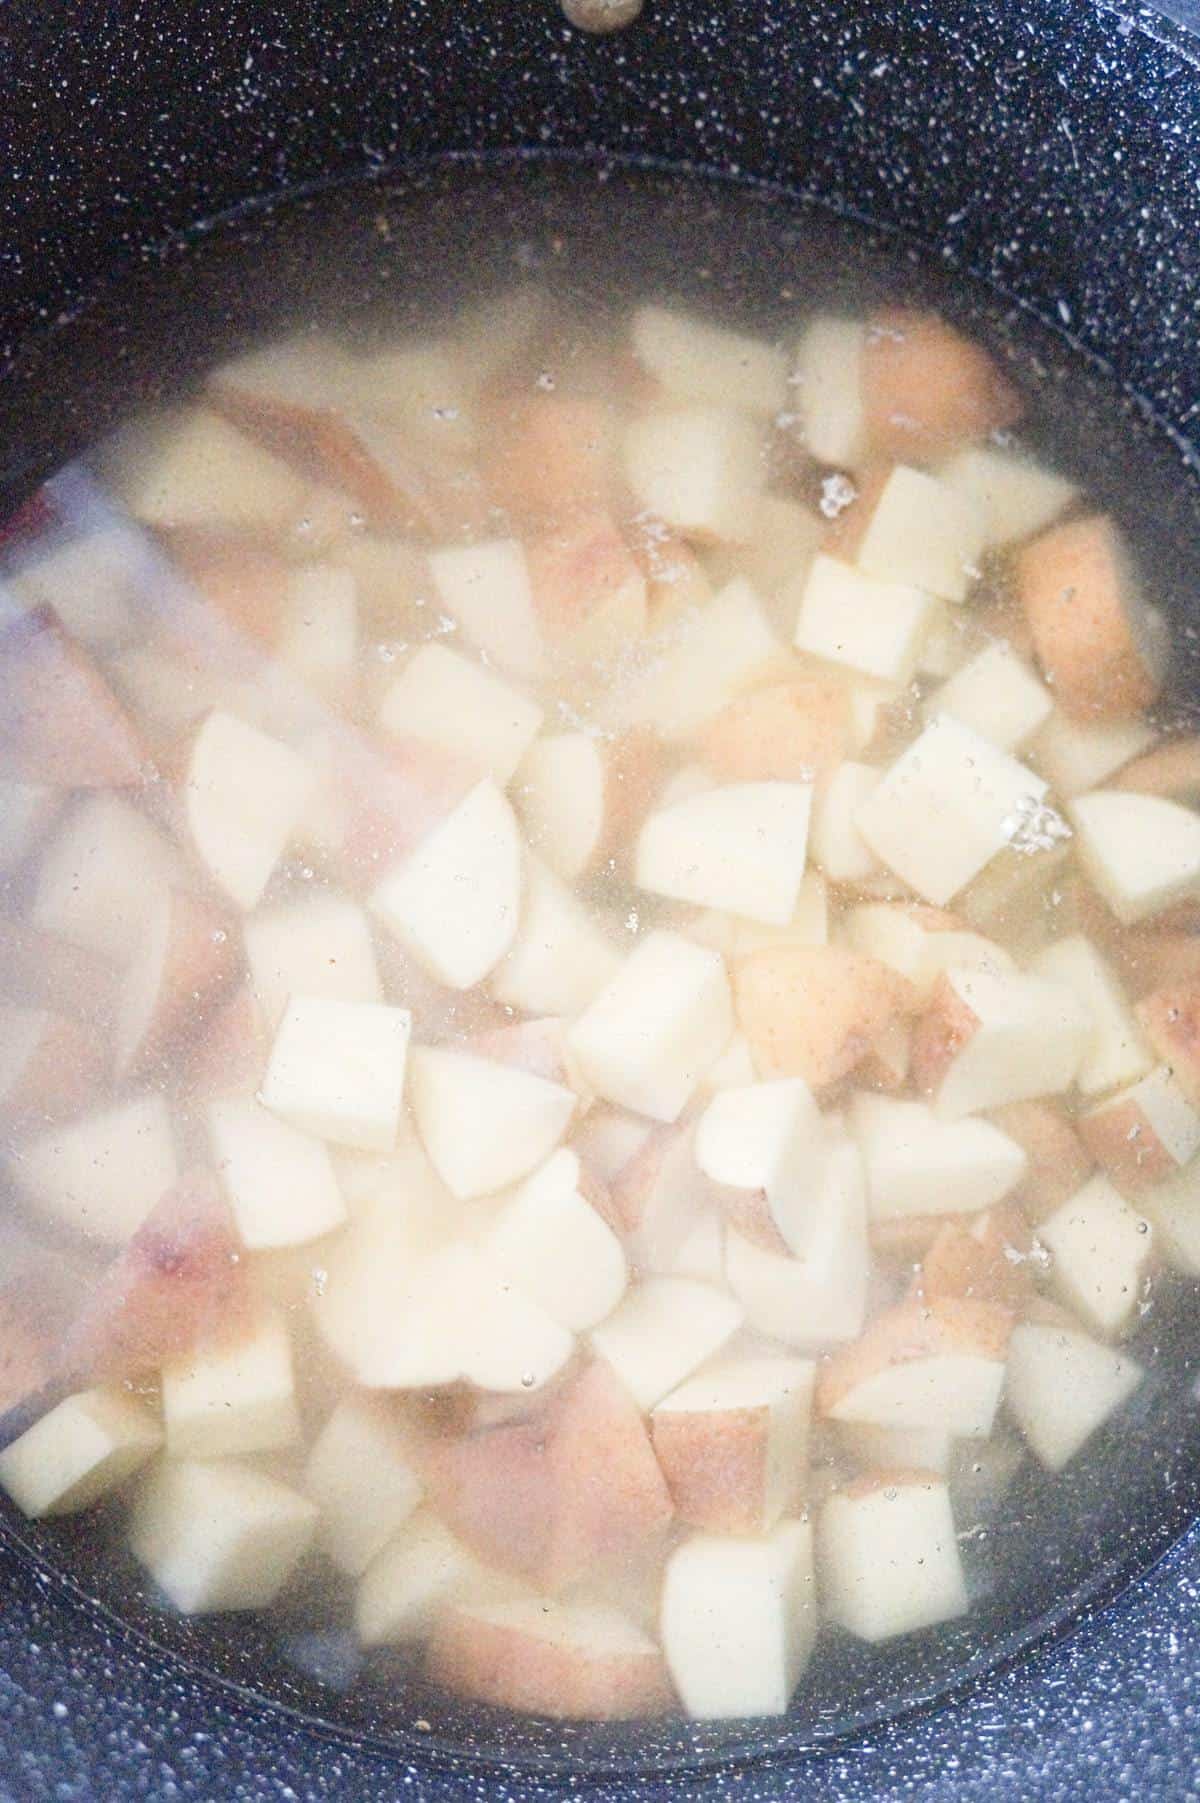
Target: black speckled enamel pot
[1052,149]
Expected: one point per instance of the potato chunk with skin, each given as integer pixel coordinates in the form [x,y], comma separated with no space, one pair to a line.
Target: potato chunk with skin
[929,1363]
[1142,1135]
[992,1037]
[1102,654]
[927,389]
[740,848]
[888,1554]
[700,469]
[786,732]
[102,1173]
[814,1011]
[361,1474]
[1101,1250]
[238,1398]
[919,1164]
[1170,1018]
[733,1443]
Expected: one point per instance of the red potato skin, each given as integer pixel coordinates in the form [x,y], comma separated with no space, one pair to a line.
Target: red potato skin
[326,447]
[1170,1018]
[572,1492]
[1059,1162]
[719,1490]
[494,1664]
[940,1035]
[1074,588]
[536,1046]
[985,1260]
[787,732]
[576,566]
[241,578]
[395,792]
[60,722]
[63,1074]
[916,1329]
[42,970]
[815,1011]
[552,454]
[927,389]
[181,1281]
[1156,960]
[1120,1139]
[1171,770]
[229,1056]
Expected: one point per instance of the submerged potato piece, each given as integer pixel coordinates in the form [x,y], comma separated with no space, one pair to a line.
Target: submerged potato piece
[319,945]
[658,1192]
[694,360]
[1101,1250]
[281,1183]
[665,1328]
[579,797]
[739,1619]
[1058,1162]
[653,1030]
[733,1443]
[484,1123]
[179,1283]
[918,1164]
[699,469]
[186,960]
[705,661]
[1144,1134]
[988,1259]
[1116,1052]
[828,378]
[946,807]
[934,1362]
[996,695]
[923,532]
[570,1492]
[740,848]
[243,796]
[487,589]
[564,1660]
[561,958]
[928,390]
[199,470]
[454,901]
[814,1011]
[60,722]
[553,1242]
[990,1037]
[88,1445]
[1142,853]
[550,453]
[1077,755]
[764,1146]
[101,877]
[1015,496]
[337,1070]
[589,591]
[1172,771]
[1063,1386]
[888,1555]
[216,1535]
[363,1478]
[235,1398]
[50,1065]
[1101,651]
[875,626]
[445,698]
[1170,1018]
[421,1567]
[101,1174]
[793,731]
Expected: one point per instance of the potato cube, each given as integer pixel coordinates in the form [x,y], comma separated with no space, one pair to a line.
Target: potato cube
[1063,1386]
[739,848]
[917,1164]
[696,361]
[449,701]
[102,1173]
[318,946]
[700,470]
[701,669]
[337,1070]
[101,875]
[516,1118]
[281,1184]
[1116,1052]
[924,533]
[828,378]
[87,1445]
[1101,1250]
[945,808]
[1143,1135]
[560,959]
[233,1398]
[995,1036]
[1015,497]
[837,845]
[663,1331]
[997,696]
[362,1477]
[219,1536]
[887,1552]
[1142,853]
[198,471]
[854,618]
[244,794]
[733,1443]
[652,1032]
[487,589]
[422,1566]
[1077,755]
[739,1619]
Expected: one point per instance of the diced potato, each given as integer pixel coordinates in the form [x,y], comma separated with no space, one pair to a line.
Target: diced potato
[560,959]
[814,1011]
[696,361]
[1016,496]
[217,1535]
[733,1443]
[927,389]
[829,390]
[319,946]
[318,635]
[101,877]
[812,1301]
[652,1032]
[420,1568]
[362,1476]
[553,1244]
[280,1182]
[243,795]
[932,1362]
[990,1037]
[1116,1052]
[792,731]
[1141,853]
[232,1399]
[848,616]
[27,812]
[516,1118]
[458,705]
[50,1065]
[739,1619]
[740,847]
[1101,1250]
[917,1164]
[946,807]
[88,1445]
[917,1582]
[1063,1386]
[923,533]
[664,1330]
[95,582]
[578,796]
[100,1175]
[337,1070]
[486,588]
[60,722]
[837,845]
[1144,1134]
[1078,755]
[701,470]
[996,696]
[199,471]
[702,666]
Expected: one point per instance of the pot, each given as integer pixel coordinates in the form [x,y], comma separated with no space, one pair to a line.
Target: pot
[1049,150]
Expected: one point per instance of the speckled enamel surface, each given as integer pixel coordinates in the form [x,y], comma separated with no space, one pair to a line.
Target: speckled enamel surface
[1051,148]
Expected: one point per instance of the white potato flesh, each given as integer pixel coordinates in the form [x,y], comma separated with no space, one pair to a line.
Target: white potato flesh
[888,1557]
[484,1124]
[828,379]
[337,1070]
[1015,496]
[486,588]
[561,957]
[362,1475]
[740,848]
[102,1173]
[1101,1250]
[232,1398]
[813,1301]
[925,533]
[450,701]
[997,696]
[664,1330]
[699,469]
[319,946]
[918,1164]
[244,794]
[1062,1386]
[700,667]
[85,1447]
[696,361]
[280,1182]
[554,1245]
[216,1535]
[1141,852]
[850,617]
[1116,1053]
